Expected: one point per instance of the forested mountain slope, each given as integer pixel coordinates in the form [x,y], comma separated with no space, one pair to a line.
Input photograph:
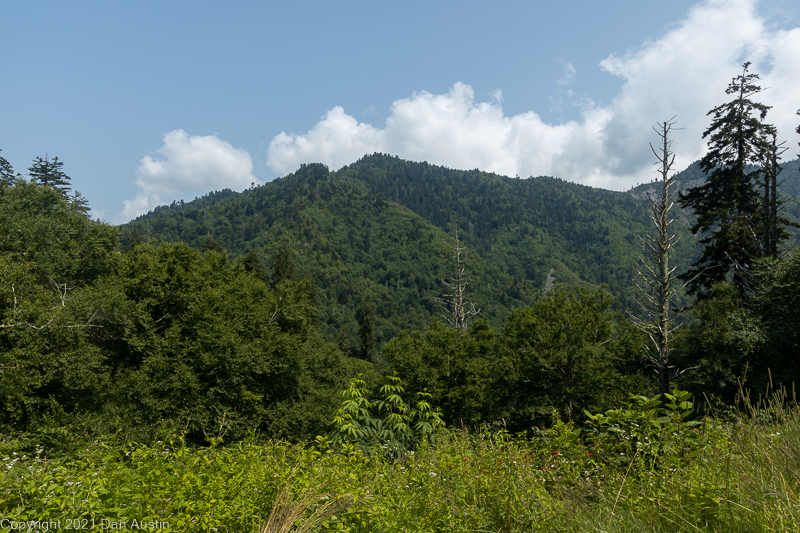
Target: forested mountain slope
[692,176]
[531,228]
[353,243]
[383,228]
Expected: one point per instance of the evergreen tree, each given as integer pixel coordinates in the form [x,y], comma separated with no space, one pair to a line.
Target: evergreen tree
[283,268]
[343,341]
[211,245]
[798,131]
[6,172]
[79,203]
[727,205]
[366,329]
[253,266]
[133,240]
[50,172]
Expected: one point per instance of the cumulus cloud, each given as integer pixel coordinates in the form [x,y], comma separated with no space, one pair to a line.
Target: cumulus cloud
[686,72]
[188,164]
[683,74]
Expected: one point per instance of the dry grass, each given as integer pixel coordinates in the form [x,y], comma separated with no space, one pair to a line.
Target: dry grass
[303,512]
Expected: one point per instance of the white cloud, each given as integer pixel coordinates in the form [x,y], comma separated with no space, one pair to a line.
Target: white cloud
[188,164]
[683,73]
[569,74]
[336,140]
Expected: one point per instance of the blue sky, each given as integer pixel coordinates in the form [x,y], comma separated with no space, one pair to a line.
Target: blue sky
[150,102]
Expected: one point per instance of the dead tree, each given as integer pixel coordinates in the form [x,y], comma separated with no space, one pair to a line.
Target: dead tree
[458,311]
[773,224]
[656,280]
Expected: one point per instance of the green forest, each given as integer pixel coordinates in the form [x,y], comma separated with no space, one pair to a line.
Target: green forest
[507,349]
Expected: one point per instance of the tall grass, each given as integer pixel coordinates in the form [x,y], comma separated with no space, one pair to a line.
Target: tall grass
[740,474]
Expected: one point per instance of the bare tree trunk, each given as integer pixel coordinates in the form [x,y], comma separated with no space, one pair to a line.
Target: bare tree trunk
[458,314]
[656,277]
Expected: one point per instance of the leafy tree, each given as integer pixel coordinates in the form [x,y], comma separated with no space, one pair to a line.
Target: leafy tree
[566,355]
[366,329]
[50,255]
[727,205]
[62,245]
[720,346]
[777,307]
[754,345]
[50,172]
[458,368]
[197,340]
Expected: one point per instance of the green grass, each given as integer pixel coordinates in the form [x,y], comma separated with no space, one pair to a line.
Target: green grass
[738,474]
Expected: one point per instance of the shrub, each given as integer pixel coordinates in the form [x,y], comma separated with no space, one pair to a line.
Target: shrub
[389,424]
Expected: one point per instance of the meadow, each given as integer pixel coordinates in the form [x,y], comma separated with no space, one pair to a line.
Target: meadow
[639,468]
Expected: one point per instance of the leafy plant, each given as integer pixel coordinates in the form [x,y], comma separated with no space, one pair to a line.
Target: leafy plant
[645,429]
[388,424]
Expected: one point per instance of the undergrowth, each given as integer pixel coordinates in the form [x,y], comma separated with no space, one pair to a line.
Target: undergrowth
[641,468]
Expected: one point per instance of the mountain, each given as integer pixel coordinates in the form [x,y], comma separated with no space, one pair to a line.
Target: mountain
[384,229]
[692,176]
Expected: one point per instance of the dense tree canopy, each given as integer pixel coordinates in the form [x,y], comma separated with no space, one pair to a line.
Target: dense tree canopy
[152,333]
[161,333]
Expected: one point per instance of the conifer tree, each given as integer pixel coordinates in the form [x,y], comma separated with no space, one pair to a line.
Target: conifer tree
[343,341]
[252,265]
[366,330]
[798,131]
[50,172]
[773,225]
[6,172]
[210,244]
[133,240]
[727,205]
[283,268]
[79,203]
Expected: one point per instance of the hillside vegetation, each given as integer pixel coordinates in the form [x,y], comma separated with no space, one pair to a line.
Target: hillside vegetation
[384,229]
[279,356]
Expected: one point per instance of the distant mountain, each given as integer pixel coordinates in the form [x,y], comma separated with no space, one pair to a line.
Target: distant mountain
[384,228]
[529,227]
[692,176]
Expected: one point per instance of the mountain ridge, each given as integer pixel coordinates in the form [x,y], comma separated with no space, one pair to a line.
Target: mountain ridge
[383,228]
